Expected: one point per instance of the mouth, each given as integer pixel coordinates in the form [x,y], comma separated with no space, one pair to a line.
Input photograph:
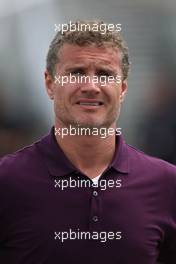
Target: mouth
[90,103]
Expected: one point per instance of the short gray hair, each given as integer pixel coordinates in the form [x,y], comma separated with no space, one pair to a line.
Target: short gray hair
[84,38]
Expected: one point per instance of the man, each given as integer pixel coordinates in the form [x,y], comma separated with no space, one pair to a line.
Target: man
[81,194]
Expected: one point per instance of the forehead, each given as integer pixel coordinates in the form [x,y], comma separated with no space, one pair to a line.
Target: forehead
[74,54]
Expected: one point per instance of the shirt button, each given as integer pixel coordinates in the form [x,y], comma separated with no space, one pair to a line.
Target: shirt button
[95,193]
[95,218]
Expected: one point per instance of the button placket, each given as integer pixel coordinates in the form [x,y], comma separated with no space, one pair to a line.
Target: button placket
[95,193]
[95,218]
[95,209]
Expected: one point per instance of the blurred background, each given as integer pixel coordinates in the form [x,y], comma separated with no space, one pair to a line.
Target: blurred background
[148,117]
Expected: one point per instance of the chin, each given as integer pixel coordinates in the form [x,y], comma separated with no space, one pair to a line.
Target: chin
[92,124]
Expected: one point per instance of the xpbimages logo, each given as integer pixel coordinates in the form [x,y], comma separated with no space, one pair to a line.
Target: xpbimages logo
[102,80]
[102,132]
[102,184]
[79,26]
[102,236]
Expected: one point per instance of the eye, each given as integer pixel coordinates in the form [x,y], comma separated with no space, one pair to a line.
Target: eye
[104,73]
[77,71]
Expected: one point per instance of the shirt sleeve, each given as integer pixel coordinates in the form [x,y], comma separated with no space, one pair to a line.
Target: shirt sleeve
[168,250]
[5,197]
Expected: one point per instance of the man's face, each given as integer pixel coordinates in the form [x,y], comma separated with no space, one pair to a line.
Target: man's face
[87,103]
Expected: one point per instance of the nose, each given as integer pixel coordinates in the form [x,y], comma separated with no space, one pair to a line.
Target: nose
[90,85]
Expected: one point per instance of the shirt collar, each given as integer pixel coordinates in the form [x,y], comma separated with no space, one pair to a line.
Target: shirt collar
[59,165]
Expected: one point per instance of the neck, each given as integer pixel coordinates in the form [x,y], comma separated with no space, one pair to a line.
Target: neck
[90,154]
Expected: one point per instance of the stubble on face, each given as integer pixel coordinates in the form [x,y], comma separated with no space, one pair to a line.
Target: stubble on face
[67,113]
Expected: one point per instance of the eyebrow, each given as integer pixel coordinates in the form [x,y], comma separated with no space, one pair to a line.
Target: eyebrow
[99,68]
[74,67]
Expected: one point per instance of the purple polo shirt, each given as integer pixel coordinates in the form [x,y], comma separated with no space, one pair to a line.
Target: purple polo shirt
[42,221]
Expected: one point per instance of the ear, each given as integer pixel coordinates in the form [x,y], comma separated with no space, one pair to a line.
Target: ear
[49,84]
[124,88]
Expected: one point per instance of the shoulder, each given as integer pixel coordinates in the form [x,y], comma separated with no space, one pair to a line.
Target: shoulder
[19,157]
[19,162]
[155,166]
